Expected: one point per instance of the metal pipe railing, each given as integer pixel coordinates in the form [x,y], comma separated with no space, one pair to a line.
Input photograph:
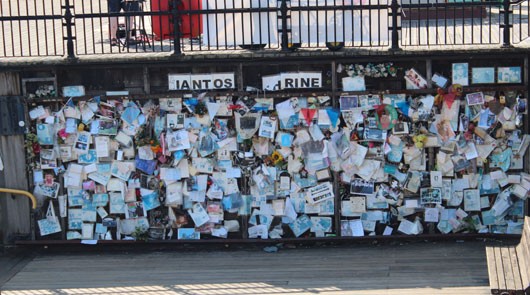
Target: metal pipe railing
[23,193]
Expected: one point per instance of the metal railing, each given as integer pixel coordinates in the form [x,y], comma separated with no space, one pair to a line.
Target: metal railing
[83,27]
[22,193]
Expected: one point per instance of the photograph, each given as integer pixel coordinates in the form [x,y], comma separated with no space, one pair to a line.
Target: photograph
[509,75]
[483,75]
[348,102]
[415,80]
[362,187]
[431,195]
[522,105]
[108,127]
[475,98]
[400,128]
[460,74]
[135,210]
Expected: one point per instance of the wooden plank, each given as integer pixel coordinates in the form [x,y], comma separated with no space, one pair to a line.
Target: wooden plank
[518,284]
[368,269]
[492,270]
[523,254]
[507,268]
[500,268]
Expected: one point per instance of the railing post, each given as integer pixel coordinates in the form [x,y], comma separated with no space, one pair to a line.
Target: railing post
[506,23]
[283,15]
[176,27]
[69,24]
[395,11]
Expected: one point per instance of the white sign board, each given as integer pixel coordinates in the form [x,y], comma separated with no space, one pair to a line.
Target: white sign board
[201,81]
[298,80]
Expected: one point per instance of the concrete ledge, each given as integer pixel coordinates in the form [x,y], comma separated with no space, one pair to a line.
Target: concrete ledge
[248,56]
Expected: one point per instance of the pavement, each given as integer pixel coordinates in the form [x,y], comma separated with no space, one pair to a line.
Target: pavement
[417,267]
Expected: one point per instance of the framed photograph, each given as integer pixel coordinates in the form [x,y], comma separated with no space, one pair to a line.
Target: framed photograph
[348,102]
[476,98]
[362,187]
[460,73]
[509,75]
[415,80]
[472,200]
[400,128]
[439,80]
[431,195]
[483,75]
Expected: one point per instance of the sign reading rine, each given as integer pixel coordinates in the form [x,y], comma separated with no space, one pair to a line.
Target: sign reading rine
[298,80]
[201,81]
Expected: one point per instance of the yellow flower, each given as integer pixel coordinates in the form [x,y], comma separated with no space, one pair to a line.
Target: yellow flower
[276,158]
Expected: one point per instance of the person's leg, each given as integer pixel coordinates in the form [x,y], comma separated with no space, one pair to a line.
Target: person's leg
[114,7]
[130,6]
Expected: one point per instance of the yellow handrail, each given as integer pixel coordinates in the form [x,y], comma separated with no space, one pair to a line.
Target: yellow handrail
[21,192]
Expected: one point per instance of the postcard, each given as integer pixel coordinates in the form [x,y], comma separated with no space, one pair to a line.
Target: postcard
[188,234]
[260,231]
[87,231]
[178,140]
[89,157]
[319,193]
[267,127]
[82,142]
[75,219]
[175,121]
[122,170]
[355,83]
[198,214]
[117,203]
[43,190]
[203,165]
[89,213]
[49,225]
[45,134]
[301,225]
[362,187]
[248,124]
[321,224]
[475,98]
[431,195]
[107,127]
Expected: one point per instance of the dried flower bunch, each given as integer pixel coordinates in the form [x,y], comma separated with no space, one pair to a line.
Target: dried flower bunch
[381,70]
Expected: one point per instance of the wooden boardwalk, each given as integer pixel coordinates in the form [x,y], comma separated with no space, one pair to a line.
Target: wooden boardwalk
[415,268]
